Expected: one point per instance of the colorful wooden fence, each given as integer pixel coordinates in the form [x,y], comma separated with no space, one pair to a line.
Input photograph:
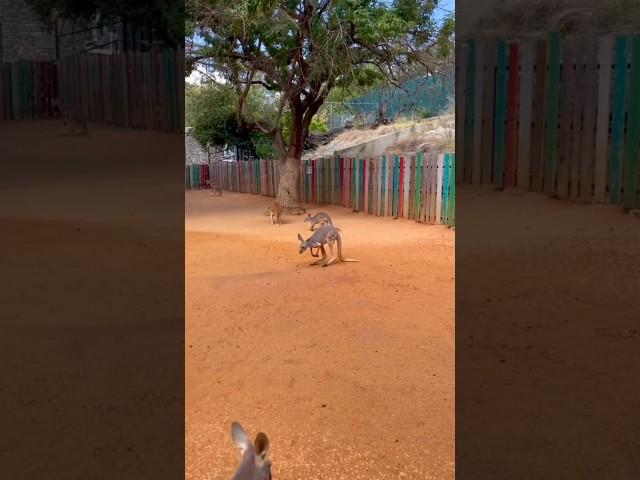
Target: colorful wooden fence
[419,187]
[196,176]
[559,115]
[259,177]
[27,90]
[138,90]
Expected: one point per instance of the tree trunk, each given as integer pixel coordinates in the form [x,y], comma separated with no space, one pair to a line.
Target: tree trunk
[287,196]
[290,162]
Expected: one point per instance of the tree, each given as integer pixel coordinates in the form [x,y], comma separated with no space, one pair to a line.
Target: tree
[210,111]
[166,17]
[302,49]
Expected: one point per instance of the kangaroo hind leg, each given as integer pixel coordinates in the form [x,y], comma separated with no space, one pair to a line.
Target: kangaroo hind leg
[324,256]
[333,258]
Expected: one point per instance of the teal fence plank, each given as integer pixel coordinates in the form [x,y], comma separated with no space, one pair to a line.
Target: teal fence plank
[633,130]
[446,171]
[452,192]
[617,121]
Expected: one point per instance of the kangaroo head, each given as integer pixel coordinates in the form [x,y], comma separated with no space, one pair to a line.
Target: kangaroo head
[255,463]
[307,218]
[303,244]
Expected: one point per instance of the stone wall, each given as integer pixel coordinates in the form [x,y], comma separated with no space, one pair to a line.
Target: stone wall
[22,35]
[194,153]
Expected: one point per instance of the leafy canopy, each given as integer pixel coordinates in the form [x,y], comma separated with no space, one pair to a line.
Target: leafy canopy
[210,110]
[300,50]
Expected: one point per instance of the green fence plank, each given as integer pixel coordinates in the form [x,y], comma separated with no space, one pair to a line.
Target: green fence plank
[633,129]
[452,191]
[553,101]
[446,171]
[617,121]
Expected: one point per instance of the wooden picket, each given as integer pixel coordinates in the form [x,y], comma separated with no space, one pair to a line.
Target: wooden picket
[559,114]
[418,186]
[138,90]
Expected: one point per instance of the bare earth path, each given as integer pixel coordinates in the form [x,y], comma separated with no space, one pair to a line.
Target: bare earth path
[548,337]
[348,369]
[89,353]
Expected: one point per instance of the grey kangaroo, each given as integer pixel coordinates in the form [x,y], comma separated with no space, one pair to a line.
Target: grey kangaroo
[77,121]
[319,217]
[326,235]
[255,463]
[73,116]
[275,211]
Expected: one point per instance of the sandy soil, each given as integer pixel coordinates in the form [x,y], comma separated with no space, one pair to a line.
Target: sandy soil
[550,342]
[547,338]
[89,350]
[349,369]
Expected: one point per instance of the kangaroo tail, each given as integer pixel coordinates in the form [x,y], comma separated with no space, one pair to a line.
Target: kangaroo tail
[340,256]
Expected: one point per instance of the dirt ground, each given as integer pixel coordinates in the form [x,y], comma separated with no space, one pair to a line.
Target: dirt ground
[89,353]
[272,354]
[348,369]
[547,338]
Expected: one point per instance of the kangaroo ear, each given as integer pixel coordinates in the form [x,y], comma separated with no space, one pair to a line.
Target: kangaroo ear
[240,437]
[261,445]
[300,238]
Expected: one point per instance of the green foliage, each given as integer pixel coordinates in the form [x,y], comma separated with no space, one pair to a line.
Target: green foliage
[445,35]
[423,112]
[263,146]
[305,49]
[320,123]
[211,110]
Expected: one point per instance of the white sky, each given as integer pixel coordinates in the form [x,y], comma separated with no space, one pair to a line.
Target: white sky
[195,78]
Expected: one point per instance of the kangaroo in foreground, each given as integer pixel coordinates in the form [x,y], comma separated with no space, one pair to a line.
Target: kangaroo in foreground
[274,210]
[255,463]
[319,217]
[327,235]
